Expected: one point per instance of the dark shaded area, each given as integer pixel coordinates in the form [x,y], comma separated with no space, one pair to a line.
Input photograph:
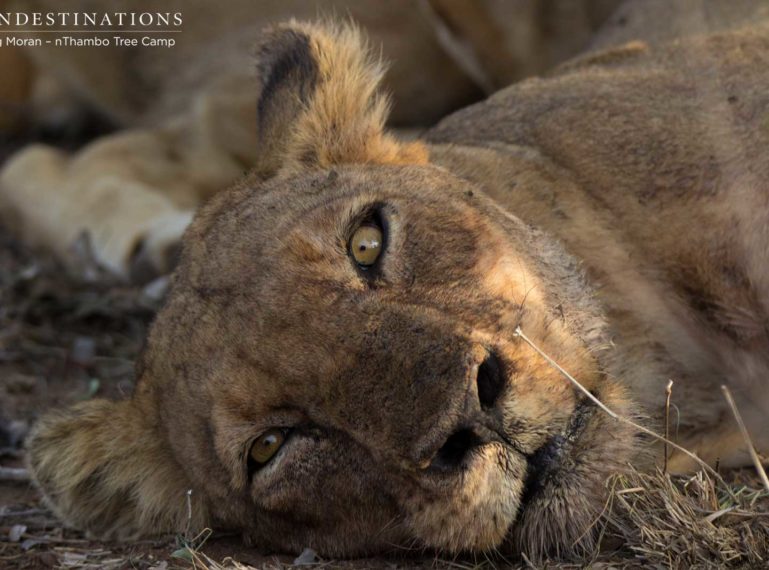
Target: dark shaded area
[68,133]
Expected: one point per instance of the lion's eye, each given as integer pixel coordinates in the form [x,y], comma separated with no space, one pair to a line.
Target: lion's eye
[366,245]
[267,445]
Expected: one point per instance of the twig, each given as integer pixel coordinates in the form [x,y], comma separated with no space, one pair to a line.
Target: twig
[14,474]
[746,436]
[27,513]
[668,394]
[631,490]
[53,539]
[188,494]
[717,514]
[45,525]
[529,564]
[619,418]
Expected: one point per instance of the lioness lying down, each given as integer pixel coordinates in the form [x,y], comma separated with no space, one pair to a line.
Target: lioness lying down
[337,364]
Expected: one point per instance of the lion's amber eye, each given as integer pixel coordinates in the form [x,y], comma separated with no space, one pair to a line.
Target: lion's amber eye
[267,445]
[366,245]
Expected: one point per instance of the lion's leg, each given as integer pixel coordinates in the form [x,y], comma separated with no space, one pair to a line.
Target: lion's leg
[723,446]
[133,192]
[107,191]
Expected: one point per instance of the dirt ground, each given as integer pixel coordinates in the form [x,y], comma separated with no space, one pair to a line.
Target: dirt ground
[66,338]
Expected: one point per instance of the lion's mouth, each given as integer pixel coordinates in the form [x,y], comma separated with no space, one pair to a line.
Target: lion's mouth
[546,462]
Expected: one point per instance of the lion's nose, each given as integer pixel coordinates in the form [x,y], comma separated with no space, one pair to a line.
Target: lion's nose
[454,451]
[489,381]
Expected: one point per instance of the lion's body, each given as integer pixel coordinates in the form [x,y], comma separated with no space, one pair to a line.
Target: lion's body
[614,212]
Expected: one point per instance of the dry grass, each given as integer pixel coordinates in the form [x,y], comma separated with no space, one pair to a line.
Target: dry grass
[651,520]
[683,522]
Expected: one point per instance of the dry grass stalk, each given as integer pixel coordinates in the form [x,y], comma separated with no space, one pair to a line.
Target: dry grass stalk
[746,436]
[668,394]
[14,474]
[588,394]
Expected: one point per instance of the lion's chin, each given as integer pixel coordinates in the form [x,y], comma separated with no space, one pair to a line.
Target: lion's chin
[543,504]
[563,501]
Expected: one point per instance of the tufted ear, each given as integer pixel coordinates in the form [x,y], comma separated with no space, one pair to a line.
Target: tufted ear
[103,469]
[319,103]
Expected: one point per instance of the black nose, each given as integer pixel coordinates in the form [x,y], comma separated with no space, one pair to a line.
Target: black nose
[453,453]
[490,381]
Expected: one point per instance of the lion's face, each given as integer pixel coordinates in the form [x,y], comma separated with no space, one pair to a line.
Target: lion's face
[337,364]
[388,403]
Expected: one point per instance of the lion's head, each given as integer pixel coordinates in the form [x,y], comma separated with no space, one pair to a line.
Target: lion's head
[337,365]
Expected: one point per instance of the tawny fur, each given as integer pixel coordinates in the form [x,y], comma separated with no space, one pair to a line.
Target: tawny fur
[109,474]
[345,118]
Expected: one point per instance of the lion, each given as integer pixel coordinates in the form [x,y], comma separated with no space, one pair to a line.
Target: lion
[340,362]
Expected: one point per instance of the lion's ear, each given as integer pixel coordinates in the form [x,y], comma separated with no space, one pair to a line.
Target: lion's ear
[103,469]
[319,102]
